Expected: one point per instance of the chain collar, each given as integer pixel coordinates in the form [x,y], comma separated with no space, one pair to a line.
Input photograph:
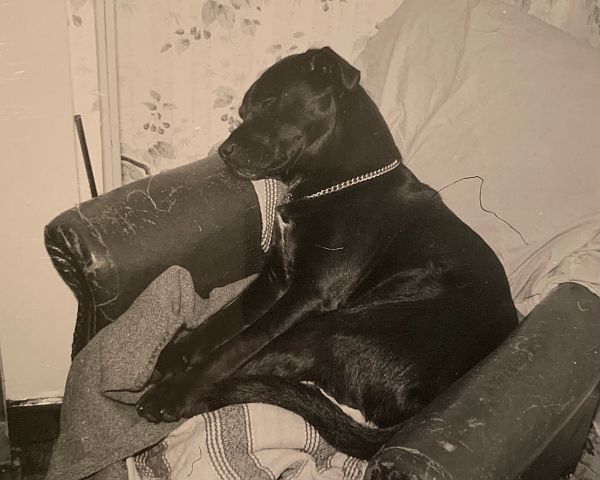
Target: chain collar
[349,183]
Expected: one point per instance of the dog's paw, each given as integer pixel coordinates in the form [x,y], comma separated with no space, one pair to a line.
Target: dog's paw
[174,359]
[172,400]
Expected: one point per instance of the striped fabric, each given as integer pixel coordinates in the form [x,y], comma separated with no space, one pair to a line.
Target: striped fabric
[272,197]
[244,442]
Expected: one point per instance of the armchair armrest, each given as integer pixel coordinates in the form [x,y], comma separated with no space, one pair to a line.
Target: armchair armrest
[110,248]
[523,412]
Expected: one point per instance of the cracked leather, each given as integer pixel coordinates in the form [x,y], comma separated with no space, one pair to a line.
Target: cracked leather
[108,249]
[523,412]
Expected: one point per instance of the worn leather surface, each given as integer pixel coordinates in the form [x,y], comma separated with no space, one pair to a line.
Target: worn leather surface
[499,419]
[110,248]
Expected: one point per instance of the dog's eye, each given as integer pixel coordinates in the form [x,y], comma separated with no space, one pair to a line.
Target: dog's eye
[267,102]
[322,103]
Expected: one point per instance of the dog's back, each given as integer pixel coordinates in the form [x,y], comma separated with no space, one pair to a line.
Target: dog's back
[374,289]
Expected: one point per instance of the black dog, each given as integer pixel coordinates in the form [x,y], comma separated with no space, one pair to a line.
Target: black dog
[374,290]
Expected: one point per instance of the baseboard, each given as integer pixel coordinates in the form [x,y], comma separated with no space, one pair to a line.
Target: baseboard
[33,421]
[33,427]
[33,402]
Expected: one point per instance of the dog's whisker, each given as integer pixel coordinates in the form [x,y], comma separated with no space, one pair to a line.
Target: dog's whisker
[331,249]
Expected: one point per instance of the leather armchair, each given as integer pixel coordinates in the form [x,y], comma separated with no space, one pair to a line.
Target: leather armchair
[523,412]
[110,248]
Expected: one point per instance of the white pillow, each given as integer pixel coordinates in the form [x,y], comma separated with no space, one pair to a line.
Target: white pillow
[483,89]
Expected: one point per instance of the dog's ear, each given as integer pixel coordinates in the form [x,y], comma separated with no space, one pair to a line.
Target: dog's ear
[326,61]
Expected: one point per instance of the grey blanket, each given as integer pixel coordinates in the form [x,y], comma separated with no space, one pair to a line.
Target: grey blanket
[99,424]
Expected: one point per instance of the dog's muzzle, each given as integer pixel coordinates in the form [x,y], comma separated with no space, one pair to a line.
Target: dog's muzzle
[243,161]
[255,155]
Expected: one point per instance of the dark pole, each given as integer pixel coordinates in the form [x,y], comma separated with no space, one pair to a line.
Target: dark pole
[86,156]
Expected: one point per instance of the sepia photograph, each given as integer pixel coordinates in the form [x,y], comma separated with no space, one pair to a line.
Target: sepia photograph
[300,240]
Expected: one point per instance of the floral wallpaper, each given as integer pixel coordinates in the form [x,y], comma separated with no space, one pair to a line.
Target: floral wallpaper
[183,65]
[579,18]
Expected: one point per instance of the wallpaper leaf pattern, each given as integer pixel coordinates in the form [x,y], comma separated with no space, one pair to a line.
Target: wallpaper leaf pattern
[184,65]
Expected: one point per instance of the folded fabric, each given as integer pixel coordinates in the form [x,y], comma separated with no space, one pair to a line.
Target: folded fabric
[245,442]
[99,424]
[571,256]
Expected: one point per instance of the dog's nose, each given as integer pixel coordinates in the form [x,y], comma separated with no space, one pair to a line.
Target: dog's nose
[227,149]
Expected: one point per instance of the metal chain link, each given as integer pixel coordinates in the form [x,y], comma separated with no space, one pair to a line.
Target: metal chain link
[355,180]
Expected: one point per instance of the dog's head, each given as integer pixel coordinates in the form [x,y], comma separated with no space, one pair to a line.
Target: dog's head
[289,115]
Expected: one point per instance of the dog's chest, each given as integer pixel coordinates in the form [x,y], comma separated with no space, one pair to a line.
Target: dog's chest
[294,229]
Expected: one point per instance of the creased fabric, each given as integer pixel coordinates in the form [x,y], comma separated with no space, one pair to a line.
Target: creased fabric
[102,437]
[99,424]
[244,442]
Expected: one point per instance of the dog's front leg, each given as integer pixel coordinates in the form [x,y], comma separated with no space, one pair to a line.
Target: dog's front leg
[193,346]
[182,395]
